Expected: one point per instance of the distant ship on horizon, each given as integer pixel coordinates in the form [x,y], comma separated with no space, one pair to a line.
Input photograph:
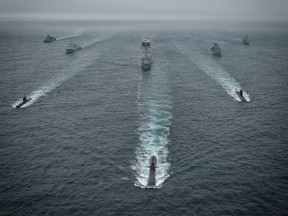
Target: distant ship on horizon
[216,50]
[49,39]
[72,47]
[146,42]
[246,40]
[146,60]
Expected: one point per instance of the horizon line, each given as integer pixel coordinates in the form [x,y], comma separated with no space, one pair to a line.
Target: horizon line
[109,17]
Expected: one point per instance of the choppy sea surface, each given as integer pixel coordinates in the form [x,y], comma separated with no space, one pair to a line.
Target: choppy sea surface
[82,145]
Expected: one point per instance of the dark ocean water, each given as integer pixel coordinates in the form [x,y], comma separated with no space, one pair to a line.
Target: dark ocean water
[82,145]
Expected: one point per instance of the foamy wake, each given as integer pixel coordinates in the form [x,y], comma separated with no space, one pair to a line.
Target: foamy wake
[155,116]
[90,43]
[62,76]
[76,34]
[216,72]
[43,90]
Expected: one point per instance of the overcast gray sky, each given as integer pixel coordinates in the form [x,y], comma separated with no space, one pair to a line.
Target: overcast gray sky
[200,9]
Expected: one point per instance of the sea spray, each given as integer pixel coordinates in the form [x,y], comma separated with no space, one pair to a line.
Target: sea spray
[215,71]
[155,115]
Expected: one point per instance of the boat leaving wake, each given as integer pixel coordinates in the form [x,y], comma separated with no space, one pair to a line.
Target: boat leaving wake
[155,115]
[63,75]
[44,89]
[216,72]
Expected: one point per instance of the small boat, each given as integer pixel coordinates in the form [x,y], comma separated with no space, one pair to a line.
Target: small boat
[246,40]
[216,50]
[49,39]
[146,60]
[240,95]
[146,42]
[24,101]
[72,47]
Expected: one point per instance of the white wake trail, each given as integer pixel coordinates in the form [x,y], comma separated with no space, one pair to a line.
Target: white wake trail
[76,34]
[155,117]
[63,74]
[215,71]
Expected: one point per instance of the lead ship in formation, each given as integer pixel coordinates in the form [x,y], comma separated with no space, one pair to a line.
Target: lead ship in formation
[216,50]
[246,40]
[152,172]
[146,42]
[49,39]
[146,60]
[72,47]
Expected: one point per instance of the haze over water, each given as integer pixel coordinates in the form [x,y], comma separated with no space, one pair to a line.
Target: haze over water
[82,145]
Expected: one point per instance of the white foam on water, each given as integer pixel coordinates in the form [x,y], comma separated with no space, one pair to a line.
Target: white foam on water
[90,43]
[44,89]
[62,76]
[76,34]
[155,116]
[216,72]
